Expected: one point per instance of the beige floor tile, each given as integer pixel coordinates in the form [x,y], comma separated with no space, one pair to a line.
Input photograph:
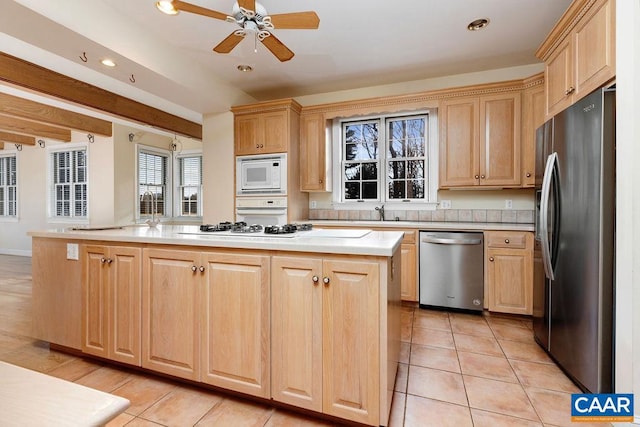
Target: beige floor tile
[483,365]
[121,420]
[37,356]
[402,377]
[406,318]
[396,418]
[105,379]
[405,333]
[422,412]
[489,419]
[554,408]
[428,312]
[432,320]
[499,397]
[436,384]
[433,337]
[470,325]
[530,352]
[11,342]
[141,422]
[142,392]
[182,406]
[513,333]
[237,413]
[483,345]
[405,352]
[434,357]
[281,418]
[543,375]
[75,369]
[519,322]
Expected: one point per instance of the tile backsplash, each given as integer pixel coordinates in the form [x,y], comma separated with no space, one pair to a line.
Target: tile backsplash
[439,215]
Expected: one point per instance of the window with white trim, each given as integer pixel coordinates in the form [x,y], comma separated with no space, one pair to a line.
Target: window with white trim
[69,185]
[8,185]
[166,193]
[386,159]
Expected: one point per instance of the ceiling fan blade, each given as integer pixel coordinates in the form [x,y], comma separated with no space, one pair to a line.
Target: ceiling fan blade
[277,48]
[248,4]
[227,45]
[192,8]
[295,21]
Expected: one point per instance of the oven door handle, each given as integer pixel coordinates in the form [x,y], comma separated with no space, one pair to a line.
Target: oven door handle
[261,211]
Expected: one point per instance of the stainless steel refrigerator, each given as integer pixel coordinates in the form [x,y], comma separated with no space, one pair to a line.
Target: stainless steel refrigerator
[575,232]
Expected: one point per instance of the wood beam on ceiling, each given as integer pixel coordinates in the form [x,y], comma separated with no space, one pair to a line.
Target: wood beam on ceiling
[17,139]
[26,74]
[31,110]
[26,127]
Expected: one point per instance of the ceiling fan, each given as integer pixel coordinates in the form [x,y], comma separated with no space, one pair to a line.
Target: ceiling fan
[252,18]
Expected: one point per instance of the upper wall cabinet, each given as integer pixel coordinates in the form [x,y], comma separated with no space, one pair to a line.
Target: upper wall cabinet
[579,53]
[313,152]
[266,127]
[533,112]
[480,141]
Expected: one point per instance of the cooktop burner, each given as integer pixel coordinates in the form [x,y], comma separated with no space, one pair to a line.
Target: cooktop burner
[243,227]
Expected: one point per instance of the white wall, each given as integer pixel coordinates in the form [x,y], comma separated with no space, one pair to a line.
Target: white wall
[218,167]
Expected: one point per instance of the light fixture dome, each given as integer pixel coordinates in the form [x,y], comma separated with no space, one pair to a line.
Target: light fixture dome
[166,6]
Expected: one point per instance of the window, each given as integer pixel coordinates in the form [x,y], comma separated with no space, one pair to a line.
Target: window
[69,187]
[158,186]
[391,159]
[8,186]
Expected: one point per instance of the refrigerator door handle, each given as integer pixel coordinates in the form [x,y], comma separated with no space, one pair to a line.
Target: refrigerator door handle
[549,170]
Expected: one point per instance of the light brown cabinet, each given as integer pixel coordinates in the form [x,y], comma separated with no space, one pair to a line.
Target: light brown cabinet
[313,152]
[325,335]
[509,271]
[533,107]
[480,141]
[581,58]
[111,296]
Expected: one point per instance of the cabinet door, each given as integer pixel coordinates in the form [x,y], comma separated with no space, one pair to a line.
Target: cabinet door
[594,48]
[459,156]
[500,140]
[275,132]
[247,134]
[351,348]
[558,81]
[235,323]
[95,304]
[296,331]
[532,118]
[125,297]
[171,312]
[510,280]
[409,282]
[312,152]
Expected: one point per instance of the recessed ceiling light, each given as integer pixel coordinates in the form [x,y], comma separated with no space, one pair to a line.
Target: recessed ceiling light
[166,6]
[245,68]
[478,24]
[108,62]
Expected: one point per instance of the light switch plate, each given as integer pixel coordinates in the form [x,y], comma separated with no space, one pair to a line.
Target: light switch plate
[313,204]
[508,204]
[72,251]
[445,204]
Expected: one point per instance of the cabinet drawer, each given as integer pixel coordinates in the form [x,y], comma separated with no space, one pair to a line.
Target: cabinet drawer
[506,239]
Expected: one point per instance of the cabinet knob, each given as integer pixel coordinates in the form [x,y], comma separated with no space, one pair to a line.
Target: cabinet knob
[477,176]
[103,260]
[194,268]
[315,279]
[491,259]
[528,175]
[320,181]
[570,90]
[506,241]
[482,176]
[257,146]
[201,269]
[325,280]
[109,260]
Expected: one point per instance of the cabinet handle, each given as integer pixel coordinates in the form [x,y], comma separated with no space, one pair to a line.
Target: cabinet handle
[528,175]
[315,279]
[109,260]
[201,269]
[103,260]
[506,241]
[325,280]
[570,90]
[477,176]
[481,176]
[194,268]
[491,259]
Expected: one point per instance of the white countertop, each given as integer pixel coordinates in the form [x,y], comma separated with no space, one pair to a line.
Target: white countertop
[374,243]
[29,398]
[427,225]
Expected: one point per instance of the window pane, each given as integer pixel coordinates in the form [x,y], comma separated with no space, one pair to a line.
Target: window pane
[415,189]
[370,171]
[352,171]
[352,190]
[415,169]
[397,190]
[397,170]
[370,190]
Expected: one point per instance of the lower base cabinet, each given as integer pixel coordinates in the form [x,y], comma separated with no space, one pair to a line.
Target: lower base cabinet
[325,336]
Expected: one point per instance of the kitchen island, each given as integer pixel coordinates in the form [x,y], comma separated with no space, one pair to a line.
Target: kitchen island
[310,320]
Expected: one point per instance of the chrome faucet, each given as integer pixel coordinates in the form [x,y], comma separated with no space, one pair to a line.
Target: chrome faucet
[154,206]
[381,210]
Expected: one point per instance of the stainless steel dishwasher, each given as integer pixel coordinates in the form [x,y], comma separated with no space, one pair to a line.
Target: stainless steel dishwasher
[452,270]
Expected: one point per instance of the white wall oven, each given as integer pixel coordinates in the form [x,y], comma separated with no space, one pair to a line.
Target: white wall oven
[261,175]
[262,210]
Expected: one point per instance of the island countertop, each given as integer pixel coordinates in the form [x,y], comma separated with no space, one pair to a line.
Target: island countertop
[318,240]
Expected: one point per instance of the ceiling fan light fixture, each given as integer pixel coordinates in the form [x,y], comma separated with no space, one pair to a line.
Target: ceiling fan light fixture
[166,6]
[478,24]
[245,68]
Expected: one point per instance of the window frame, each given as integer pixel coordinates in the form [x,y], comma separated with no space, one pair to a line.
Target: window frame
[3,216]
[430,201]
[177,186]
[51,210]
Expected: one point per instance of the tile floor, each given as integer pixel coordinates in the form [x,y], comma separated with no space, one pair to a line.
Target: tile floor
[456,370]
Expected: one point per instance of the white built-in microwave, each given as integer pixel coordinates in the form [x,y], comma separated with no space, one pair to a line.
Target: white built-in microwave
[261,174]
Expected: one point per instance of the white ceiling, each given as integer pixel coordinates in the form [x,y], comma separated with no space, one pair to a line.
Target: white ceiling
[358,44]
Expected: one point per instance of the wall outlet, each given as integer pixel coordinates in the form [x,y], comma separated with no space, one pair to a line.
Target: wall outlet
[445,204]
[72,251]
[313,204]
[508,204]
